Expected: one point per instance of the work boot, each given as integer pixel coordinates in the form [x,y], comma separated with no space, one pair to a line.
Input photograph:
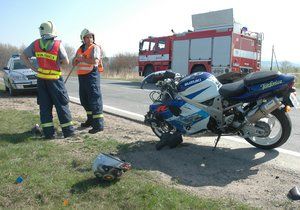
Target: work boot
[86,124]
[51,137]
[95,130]
[71,134]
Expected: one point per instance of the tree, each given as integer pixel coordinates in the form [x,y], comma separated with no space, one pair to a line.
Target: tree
[6,50]
[123,62]
[286,66]
[70,51]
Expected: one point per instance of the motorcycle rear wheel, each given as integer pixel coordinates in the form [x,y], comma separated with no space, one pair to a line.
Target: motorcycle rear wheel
[281,126]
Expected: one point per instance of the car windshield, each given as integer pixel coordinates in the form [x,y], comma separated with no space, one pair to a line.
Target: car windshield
[19,64]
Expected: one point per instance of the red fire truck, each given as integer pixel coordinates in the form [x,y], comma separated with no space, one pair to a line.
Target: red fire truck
[218,45]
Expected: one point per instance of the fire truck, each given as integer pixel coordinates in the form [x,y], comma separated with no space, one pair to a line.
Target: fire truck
[217,44]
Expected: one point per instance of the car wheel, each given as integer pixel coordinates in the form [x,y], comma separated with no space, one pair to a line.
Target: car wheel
[12,92]
[198,68]
[148,70]
[6,88]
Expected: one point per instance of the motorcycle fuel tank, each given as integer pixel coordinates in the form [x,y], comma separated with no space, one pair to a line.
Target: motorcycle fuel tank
[200,86]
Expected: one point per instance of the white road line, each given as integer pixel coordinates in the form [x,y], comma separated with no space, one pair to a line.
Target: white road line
[284,151]
[119,111]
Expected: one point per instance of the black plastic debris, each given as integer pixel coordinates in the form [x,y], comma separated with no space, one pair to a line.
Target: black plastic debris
[294,193]
[171,140]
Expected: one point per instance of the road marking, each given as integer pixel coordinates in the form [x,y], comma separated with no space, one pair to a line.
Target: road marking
[119,111]
[284,151]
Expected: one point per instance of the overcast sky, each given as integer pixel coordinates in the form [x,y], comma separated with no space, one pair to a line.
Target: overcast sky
[120,24]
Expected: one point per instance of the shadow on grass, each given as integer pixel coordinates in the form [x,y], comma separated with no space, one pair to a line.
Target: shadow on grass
[19,94]
[19,137]
[85,185]
[197,165]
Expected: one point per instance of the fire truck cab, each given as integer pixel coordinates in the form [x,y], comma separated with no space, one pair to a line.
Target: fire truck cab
[218,45]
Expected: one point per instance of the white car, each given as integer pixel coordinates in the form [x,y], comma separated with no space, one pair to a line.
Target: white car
[18,77]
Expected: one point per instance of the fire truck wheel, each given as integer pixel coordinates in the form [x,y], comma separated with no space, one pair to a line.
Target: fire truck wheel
[148,70]
[198,68]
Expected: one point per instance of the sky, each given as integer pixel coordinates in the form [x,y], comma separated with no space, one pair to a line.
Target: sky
[119,25]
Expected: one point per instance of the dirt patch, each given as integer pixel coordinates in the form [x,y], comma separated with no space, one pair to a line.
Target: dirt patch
[242,172]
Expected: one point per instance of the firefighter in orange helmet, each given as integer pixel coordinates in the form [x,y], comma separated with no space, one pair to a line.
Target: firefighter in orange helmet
[88,65]
[50,55]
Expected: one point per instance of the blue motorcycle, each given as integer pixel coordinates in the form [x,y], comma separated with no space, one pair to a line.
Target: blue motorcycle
[254,107]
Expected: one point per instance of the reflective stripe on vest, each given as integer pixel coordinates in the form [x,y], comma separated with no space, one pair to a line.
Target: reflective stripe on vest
[85,68]
[47,60]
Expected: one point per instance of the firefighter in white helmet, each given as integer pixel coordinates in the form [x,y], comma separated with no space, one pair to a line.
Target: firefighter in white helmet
[50,55]
[88,64]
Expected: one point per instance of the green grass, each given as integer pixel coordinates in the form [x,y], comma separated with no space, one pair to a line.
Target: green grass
[54,172]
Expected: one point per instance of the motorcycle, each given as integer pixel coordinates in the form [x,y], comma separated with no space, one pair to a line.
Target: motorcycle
[254,107]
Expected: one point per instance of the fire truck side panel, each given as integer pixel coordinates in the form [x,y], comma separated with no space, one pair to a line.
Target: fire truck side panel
[201,49]
[221,54]
[180,56]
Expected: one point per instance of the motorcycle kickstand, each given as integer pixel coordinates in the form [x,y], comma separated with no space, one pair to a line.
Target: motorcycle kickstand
[217,141]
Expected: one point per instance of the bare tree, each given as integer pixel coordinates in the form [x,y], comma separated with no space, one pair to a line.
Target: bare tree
[6,50]
[286,66]
[70,51]
[122,62]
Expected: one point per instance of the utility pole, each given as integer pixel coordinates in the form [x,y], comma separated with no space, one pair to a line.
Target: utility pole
[273,55]
[272,58]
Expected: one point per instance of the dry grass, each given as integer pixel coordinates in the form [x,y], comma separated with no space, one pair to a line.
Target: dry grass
[124,75]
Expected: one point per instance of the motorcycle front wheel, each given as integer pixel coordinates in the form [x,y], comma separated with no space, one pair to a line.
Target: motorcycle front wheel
[280,125]
[163,128]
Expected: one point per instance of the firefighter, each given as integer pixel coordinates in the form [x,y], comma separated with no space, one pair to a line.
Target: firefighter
[88,64]
[51,90]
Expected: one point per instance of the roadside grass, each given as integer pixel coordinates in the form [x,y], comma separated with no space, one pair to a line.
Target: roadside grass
[58,173]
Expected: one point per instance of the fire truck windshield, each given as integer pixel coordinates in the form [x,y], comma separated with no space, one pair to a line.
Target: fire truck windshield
[145,46]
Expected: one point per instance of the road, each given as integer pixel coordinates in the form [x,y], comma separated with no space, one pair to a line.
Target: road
[128,96]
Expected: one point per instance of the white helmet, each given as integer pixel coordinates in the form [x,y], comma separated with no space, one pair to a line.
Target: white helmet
[108,167]
[85,32]
[48,30]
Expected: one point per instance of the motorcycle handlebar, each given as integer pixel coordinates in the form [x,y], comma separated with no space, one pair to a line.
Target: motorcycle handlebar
[157,76]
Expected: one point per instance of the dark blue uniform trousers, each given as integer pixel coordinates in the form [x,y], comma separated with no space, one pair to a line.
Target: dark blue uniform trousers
[53,92]
[91,98]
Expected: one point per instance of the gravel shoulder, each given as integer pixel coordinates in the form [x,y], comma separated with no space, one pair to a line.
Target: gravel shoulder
[233,171]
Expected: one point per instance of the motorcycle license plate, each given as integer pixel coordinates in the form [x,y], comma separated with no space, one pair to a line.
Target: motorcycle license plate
[294,100]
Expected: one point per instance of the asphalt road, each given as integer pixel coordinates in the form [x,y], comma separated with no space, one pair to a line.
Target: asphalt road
[128,96]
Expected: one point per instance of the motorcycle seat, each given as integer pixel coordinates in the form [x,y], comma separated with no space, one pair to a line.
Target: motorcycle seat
[260,77]
[232,89]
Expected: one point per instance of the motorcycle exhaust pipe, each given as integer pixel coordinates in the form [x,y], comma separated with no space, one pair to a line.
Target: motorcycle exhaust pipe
[262,111]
